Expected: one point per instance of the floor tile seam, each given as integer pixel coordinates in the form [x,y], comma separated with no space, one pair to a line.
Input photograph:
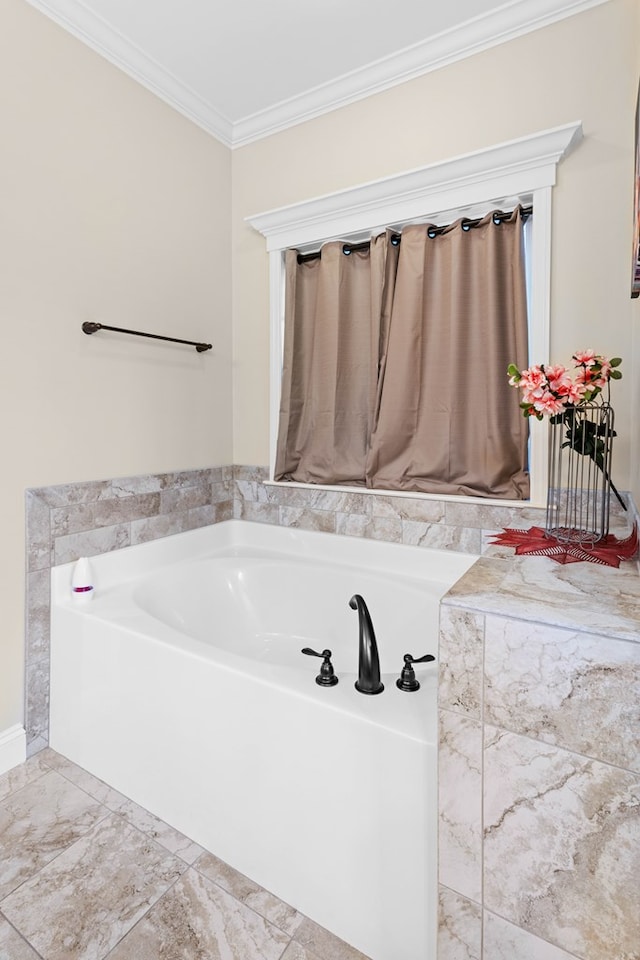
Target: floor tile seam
[151,834]
[153,839]
[32,876]
[115,807]
[228,892]
[21,935]
[302,917]
[151,906]
[165,893]
[286,947]
[75,783]
[309,954]
[117,810]
[292,936]
[27,783]
[124,858]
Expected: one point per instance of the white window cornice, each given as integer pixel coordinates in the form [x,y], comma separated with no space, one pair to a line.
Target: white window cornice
[511,168]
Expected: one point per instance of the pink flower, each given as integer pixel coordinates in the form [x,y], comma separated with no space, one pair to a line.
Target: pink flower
[531,394]
[532,378]
[603,374]
[554,371]
[533,384]
[594,378]
[559,379]
[586,357]
[547,403]
[551,389]
[575,393]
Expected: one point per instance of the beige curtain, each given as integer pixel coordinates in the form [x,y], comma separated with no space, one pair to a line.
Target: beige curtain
[395,365]
[333,307]
[447,421]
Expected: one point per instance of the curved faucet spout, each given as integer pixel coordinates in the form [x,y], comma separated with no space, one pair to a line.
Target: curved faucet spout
[368,660]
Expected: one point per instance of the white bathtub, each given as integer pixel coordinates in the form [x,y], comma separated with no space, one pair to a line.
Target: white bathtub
[182,685]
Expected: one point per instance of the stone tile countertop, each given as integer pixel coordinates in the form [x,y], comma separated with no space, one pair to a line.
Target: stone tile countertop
[594,598]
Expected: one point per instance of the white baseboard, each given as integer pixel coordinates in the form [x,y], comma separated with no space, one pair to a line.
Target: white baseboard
[13,747]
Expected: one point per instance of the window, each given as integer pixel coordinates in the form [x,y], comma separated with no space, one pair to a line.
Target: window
[395,352]
[521,171]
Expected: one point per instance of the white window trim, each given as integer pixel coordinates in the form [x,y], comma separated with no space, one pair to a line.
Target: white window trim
[522,170]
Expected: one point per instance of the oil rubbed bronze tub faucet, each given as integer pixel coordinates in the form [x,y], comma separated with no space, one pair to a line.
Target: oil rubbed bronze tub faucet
[368,660]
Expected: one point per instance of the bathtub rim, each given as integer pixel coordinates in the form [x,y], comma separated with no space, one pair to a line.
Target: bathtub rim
[109,568]
[119,572]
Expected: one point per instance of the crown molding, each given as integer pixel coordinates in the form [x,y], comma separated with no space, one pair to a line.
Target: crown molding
[510,168]
[74,17]
[499,26]
[507,22]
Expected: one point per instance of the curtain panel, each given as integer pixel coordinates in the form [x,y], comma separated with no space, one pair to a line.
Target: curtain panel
[395,359]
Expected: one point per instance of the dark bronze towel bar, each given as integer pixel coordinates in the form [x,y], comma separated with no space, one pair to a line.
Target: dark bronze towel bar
[90,327]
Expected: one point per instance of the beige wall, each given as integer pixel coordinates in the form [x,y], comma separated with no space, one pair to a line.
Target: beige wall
[584,68]
[114,208]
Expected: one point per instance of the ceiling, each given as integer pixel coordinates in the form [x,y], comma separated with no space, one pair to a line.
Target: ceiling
[243,69]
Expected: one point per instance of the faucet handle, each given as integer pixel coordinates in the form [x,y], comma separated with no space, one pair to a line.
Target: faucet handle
[326,677]
[407,679]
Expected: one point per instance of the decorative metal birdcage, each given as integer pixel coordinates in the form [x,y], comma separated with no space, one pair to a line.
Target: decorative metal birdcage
[579,493]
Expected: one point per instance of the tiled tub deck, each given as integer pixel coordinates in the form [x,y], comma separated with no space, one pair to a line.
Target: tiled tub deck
[539,762]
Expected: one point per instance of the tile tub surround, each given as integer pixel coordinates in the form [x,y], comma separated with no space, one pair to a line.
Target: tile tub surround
[83,519]
[87,873]
[539,765]
[491,622]
[415,521]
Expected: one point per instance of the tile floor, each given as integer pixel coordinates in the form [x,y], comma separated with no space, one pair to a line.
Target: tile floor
[86,874]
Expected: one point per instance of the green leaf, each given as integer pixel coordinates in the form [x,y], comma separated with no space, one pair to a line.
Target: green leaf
[616,375]
[616,361]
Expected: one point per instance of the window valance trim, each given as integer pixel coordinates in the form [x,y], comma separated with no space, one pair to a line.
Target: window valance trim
[526,164]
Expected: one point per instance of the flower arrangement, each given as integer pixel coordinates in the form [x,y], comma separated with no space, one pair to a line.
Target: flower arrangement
[550,390]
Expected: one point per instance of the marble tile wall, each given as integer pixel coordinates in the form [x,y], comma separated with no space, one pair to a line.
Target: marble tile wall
[539,767]
[443,525]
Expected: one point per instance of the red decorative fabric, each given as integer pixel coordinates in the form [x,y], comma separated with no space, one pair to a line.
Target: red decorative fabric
[535,542]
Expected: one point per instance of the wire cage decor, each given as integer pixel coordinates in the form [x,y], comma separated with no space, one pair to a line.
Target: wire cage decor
[580,486]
